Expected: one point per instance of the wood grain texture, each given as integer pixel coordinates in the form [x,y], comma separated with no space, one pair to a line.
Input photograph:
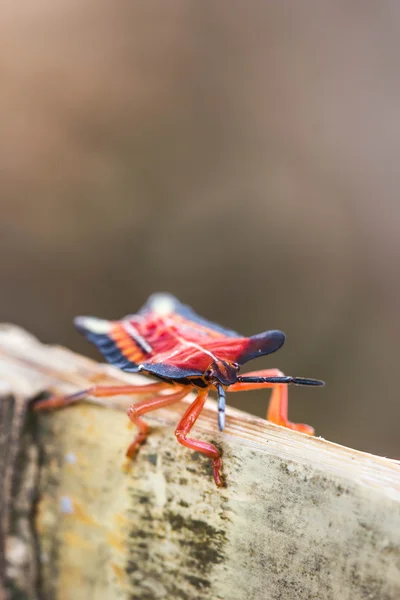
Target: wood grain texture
[300,518]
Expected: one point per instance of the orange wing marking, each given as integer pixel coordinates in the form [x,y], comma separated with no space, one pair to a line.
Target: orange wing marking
[127,345]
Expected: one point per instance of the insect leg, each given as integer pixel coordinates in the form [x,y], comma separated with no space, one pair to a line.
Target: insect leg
[140,408]
[221,406]
[278,405]
[98,391]
[184,427]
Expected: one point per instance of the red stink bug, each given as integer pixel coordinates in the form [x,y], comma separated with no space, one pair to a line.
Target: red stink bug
[169,341]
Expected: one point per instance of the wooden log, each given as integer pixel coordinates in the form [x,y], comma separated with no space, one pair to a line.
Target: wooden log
[299,518]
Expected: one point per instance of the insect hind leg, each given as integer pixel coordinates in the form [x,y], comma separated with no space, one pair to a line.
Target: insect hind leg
[97,391]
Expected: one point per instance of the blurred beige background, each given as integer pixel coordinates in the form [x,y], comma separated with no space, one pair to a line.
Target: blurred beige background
[243,156]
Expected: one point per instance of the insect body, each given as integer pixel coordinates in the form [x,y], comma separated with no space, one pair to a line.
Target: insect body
[183,351]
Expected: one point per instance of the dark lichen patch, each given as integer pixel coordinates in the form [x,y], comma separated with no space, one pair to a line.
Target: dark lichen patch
[196,526]
[144,595]
[368,586]
[203,467]
[289,588]
[143,499]
[315,565]
[147,517]
[152,458]
[143,546]
[203,554]
[203,543]
[313,485]
[340,490]
[140,533]
[191,470]
[177,521]
[208,469]
[131,567]
[198,582]
[224,517]
[276,517]
[183,503]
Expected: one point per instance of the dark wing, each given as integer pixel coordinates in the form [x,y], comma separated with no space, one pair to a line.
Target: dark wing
[164,303]
[166,371]
[262,344]
[122,352]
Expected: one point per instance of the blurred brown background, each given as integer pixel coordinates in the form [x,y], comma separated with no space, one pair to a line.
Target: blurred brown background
[243,156]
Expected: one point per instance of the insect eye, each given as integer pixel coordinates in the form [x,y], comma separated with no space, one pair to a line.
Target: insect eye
[235,366]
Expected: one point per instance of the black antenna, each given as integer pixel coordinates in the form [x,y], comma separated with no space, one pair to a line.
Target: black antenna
[282,379]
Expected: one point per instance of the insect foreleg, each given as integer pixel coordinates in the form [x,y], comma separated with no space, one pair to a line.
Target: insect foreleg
[278,404]
[185,425]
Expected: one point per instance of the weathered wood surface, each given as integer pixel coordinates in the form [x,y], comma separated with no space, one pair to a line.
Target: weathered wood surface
[300,518]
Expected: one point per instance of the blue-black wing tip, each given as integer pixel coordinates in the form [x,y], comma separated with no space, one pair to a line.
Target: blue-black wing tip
[262,344]
[276,337]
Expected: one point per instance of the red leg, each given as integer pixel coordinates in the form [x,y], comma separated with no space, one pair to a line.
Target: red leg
[185,425]
[140,408]
[278,405]
[98,391]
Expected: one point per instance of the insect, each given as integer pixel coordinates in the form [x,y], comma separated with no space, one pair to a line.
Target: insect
[183,351]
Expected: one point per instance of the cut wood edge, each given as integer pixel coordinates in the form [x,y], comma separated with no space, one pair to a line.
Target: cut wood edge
[63,371]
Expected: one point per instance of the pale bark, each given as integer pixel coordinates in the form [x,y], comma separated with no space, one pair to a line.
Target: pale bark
[299,518]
